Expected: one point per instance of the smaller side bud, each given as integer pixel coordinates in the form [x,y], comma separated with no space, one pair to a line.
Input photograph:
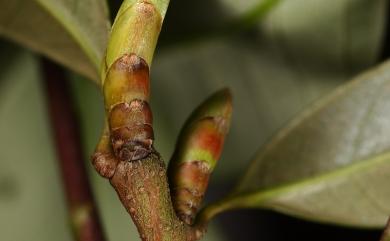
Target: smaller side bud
[197,151]
[103,159]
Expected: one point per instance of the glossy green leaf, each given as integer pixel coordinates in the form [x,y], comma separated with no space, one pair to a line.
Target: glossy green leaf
[334,35]
[73,33]
[331,163]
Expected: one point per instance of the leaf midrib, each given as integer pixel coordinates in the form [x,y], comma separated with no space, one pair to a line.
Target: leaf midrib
[257,199]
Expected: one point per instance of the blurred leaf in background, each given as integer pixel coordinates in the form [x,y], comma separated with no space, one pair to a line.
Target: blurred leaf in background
[73,33]
[331,163]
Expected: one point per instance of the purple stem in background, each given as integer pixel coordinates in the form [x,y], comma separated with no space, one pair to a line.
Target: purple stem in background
[82,209]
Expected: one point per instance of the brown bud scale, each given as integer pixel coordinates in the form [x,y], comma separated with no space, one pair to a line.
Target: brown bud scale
[197,152]
[127,79]
[126,91]
[124,114]
[188,193]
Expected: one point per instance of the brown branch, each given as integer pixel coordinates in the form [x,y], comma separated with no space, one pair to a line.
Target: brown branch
[82,208]
[386,232]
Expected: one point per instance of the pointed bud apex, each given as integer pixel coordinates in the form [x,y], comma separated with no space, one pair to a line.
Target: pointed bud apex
[219,105]
[198,149]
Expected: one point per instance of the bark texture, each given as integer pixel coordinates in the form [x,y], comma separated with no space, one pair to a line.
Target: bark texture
[143,189]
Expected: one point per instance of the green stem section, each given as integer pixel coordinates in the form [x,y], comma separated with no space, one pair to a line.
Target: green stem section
[135,31]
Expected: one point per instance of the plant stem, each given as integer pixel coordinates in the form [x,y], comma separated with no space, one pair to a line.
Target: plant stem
[125,154]
[82,208]
[143,189]
[386,232]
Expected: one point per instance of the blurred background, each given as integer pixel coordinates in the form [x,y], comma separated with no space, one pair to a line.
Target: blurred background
[276,56]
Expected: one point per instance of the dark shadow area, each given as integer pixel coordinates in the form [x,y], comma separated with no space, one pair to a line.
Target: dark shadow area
[114,6]
[263,225]
[12,51]
[189,20]
[386,39]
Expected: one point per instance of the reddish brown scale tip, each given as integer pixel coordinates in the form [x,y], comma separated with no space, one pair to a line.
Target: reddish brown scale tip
[127,79]
[131,63]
